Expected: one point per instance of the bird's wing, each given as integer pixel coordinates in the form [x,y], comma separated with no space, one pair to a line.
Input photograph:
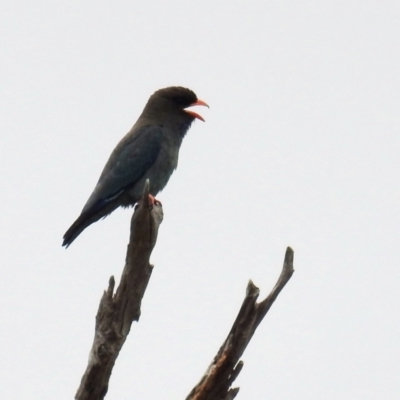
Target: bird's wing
[127,164]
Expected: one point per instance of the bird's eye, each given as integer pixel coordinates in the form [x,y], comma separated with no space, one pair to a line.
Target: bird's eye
[181,101]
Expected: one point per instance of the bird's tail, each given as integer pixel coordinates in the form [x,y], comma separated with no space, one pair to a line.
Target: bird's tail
[77,227]
[87,218]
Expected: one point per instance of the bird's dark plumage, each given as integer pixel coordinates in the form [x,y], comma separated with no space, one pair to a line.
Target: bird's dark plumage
[148,151]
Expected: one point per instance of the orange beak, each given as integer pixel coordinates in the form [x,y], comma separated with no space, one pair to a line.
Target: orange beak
[195,115]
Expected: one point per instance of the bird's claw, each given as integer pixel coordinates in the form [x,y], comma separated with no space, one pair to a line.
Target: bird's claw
[153,201]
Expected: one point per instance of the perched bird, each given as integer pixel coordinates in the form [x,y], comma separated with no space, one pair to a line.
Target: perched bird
[148,151]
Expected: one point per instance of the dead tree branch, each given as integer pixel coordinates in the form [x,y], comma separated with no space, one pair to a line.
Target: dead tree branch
[216,382]
[117,311]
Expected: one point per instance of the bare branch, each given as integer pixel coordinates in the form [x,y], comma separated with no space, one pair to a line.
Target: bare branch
[117,311]
[216,382]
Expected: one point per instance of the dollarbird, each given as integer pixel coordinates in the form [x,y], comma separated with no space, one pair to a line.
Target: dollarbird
[148,151]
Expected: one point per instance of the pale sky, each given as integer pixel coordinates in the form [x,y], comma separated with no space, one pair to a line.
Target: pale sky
[300,148]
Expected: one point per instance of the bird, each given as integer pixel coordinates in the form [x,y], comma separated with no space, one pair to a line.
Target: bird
[148,151]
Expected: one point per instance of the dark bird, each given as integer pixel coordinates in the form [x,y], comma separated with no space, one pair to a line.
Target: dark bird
[148,151]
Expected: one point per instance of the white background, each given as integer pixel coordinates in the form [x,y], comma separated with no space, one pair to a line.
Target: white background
[301,147]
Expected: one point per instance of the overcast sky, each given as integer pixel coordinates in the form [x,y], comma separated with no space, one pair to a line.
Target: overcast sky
[301,147]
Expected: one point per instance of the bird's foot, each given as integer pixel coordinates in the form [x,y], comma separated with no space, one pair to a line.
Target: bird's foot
[153,201]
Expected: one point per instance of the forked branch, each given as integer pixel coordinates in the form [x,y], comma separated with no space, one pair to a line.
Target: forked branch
[117,311]
[224,369]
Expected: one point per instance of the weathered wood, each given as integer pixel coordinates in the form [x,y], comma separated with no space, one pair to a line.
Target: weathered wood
[117,311]
[224,369]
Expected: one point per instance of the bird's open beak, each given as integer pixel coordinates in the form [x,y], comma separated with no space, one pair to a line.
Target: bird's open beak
[197,103]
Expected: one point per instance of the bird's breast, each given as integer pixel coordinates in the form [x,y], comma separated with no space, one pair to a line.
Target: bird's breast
[161,170]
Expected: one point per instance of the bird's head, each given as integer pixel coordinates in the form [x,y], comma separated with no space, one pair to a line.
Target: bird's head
[174,101]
